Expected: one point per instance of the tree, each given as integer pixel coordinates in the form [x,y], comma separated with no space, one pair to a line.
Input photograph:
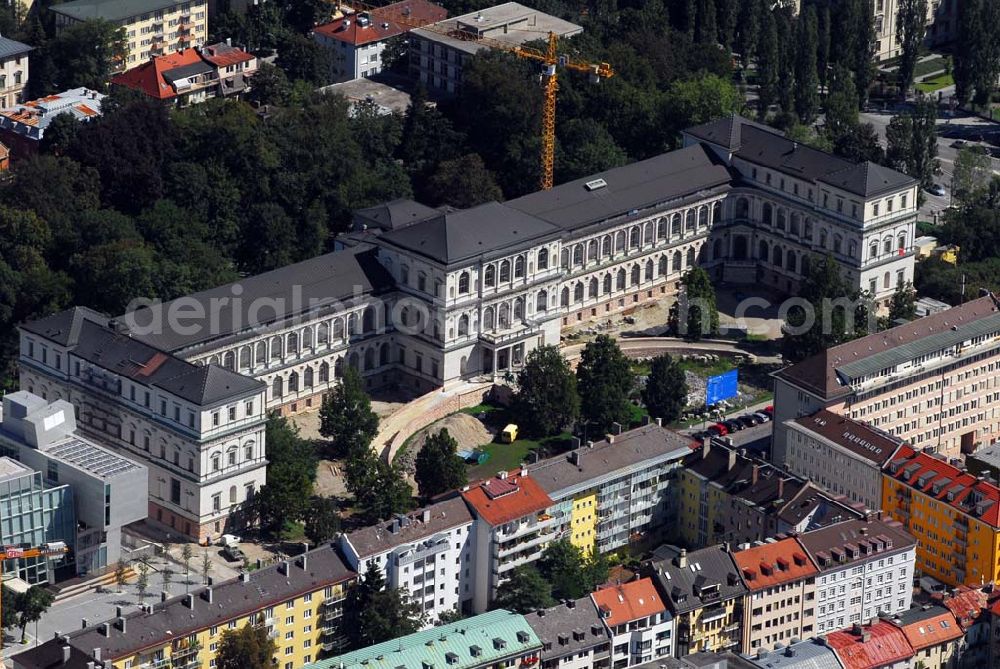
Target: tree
[823,44]
[269,86]
[439,469]
[291,472]
[903,304]
[166,577]
[571,572]
[187,553]
[546,400]
[374,613]
[665,392]
[806,78]
[911,24]
[694,314]
[463,182]
[972,173]
[841,103]
[121,574]
[142,582]
[60,134]
[830,317]
[302,58]
[246,647]
[323,520]
[379,488]
[31,605]
[768,65]
[912,143]
[604,379]
[524,591]
[206,565]
[9,606]
[585,147]
[346,416]
[85,53]
[864,44]
[701,99]
[859,143]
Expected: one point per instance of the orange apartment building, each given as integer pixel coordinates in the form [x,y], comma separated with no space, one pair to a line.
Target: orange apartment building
[933,383]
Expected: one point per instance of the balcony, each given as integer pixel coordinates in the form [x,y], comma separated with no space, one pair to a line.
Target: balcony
[156,663]
[335,599]
[183,651]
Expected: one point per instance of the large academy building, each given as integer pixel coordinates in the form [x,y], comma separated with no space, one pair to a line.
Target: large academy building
[428,298]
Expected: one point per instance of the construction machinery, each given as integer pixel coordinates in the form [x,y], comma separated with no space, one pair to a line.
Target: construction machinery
[550,60]
[48,550]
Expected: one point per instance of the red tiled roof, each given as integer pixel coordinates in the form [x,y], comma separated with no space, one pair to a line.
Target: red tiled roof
[967,604]
[932,631]
[385,22]
[499,501]
[938,479]
[223,55]
[629,601]
[775,563]
[818,374]
[148,77]
[887,645]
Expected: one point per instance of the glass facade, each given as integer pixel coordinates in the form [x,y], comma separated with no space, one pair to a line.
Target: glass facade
[33,514]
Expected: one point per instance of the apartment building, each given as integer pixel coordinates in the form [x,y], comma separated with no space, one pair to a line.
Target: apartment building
[299,602]
[931,383]
[573,635]
[866,569]
[495,639]
[23,125]
[108,491]
[780,604]
[971,608]
[933,634]
[429,553]
[198,429]
[14,57]
[704,592]
[724,495]
[151,27]
[619,489]
[953,515]
[193,75]
[640,625]
[879,645]
[842,455]
[355,43]
[514,522]
[439,51]
[942,26]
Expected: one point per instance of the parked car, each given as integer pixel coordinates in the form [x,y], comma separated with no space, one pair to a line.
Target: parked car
[732,425]
[719,429]
[748,420]
[233,554]
[936,189]
[701,434]
[958,144]
[229,540]
[769,410]
[763,416]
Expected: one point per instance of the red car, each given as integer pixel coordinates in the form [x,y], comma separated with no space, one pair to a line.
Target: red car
[720,428]
[769,410]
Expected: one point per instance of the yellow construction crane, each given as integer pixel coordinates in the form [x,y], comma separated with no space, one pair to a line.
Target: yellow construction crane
[550,60]
[52,549]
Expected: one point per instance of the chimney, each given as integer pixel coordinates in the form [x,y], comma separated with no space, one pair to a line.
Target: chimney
[682,559]
[105,631]
[659,422]
[66,650]
[244,577]
[425,516]
[283,567]
[260,563]
[206,594]
[121,623]
[209,581]
[574,442]
[164,596]
[189,601]
[706,447]
[118,612]
[781,487]
[83,623]
[754,473]
[304,561]
[616,428]
[646,420]
[731,459]
[611,438]
[97,654]
[90,665]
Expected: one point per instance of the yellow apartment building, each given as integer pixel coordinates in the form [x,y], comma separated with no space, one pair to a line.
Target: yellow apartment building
[299,601]
[152,27]
[953,515]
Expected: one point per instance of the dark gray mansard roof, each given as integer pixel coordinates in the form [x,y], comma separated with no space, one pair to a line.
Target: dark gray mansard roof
[634,187]
[568,628]
[765,146]
[270,297]
[379,538]
[705,567]
[457,236]
[394,214]
[95,338]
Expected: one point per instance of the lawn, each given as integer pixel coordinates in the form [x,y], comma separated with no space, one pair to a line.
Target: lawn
[935,83]
[510,456]
[928,66]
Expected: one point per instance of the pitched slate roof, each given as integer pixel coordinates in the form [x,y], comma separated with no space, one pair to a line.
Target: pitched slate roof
[394,214]
[868,179]
[837,546]
[886,645]
[589,465]
[946,483]
[692,581]
[305,287]
[629,189]
[854,436]
[384,22]
[481,641]
[623,603]
[484,230]
[10,48]
[771,564]
[568,628]
[382,537]
[728,132]
[826,374]
[63,328]
[499,501]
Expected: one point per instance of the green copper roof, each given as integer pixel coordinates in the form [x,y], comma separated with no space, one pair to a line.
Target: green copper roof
[478,641]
